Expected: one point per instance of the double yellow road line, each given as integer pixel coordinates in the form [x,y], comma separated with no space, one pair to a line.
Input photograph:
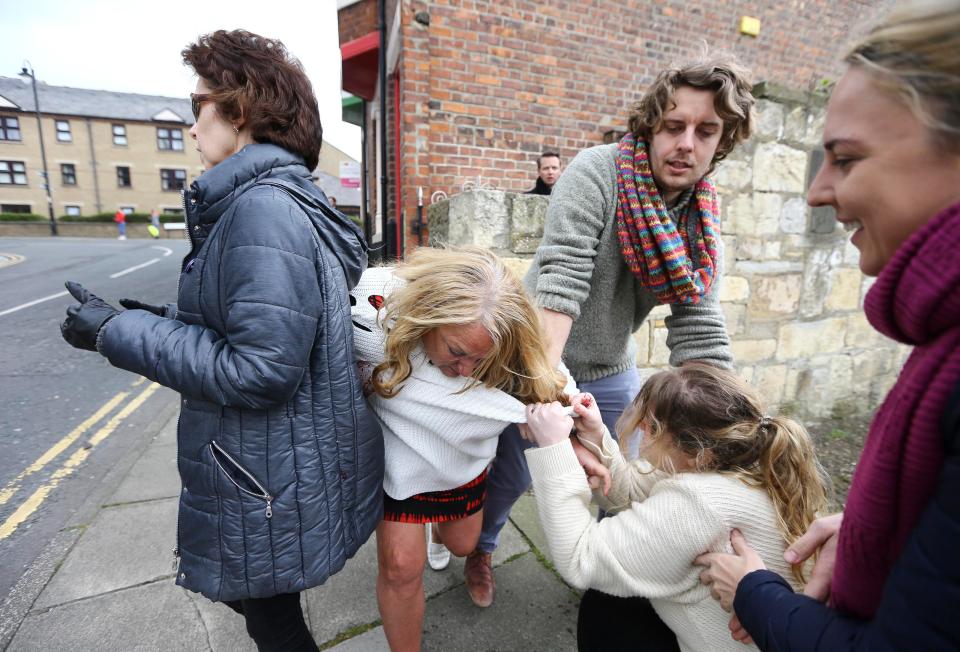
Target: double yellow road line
[33,502]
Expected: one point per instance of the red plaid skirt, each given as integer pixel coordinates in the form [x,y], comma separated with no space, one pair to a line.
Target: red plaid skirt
[438,506]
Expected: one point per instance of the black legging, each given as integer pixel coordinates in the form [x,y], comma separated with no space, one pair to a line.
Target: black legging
[276,624]
[607,623]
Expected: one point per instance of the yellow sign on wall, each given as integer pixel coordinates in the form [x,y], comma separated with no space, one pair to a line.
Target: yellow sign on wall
[749,25]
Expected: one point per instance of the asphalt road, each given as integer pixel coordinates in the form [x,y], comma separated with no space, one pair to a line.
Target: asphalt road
[67,418]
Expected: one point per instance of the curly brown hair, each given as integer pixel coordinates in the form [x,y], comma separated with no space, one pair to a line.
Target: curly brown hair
[255,80]
[733,101]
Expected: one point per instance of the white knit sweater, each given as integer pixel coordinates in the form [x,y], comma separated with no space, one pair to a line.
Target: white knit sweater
[647,548]
[435,437]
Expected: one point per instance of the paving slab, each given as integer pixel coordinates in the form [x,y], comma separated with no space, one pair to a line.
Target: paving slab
[533,610]
[124,546]
[529,597]
[374,640]
[24,593]
[168,434]
[349,598]
[157,616]
[524,517]
[153,476]
[226,629]
[346,600]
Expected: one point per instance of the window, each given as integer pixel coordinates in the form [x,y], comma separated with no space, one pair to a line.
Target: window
[170,139]
[123,177]
[120,135]
[173,211]
[13,173]
[9,128]
[127,210]
[15,208]
[64,135]
[68,174]
[71,209]
[173,179]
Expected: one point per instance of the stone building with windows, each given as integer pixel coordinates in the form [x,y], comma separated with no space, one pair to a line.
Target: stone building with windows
[105,150]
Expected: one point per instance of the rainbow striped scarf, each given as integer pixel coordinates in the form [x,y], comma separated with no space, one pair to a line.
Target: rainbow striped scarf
[653,247]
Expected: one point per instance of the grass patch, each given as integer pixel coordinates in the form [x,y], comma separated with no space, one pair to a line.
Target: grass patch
[350,633]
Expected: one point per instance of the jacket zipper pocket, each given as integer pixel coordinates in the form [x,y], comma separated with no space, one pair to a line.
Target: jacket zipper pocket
[216,450]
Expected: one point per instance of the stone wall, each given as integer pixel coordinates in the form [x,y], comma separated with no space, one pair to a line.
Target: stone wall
[792,292]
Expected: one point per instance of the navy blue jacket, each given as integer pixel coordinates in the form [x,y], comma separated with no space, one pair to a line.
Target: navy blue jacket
[280,459]
[920,607]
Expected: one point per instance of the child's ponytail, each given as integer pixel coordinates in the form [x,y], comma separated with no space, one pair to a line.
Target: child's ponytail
[787,468]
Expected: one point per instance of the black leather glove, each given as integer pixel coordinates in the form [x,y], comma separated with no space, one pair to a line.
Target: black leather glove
[167,310]
[84,321]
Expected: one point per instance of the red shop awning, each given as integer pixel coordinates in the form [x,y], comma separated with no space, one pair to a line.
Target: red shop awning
[360,61]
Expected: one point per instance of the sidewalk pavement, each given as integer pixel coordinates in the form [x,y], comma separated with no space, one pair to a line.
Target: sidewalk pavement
[113,589]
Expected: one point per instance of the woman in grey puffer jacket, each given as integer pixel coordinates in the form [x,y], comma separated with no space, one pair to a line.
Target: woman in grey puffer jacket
[280,459]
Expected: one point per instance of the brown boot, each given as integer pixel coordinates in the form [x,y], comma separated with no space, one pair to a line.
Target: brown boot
[478,572]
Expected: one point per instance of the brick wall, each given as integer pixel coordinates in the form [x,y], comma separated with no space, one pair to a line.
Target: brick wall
[357,20]
[486,86]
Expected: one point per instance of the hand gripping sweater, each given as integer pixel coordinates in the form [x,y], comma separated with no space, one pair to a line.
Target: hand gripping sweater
[663,522]
[436,436]
[578,270]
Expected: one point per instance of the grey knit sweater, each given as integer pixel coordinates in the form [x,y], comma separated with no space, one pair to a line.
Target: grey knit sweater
[578,270]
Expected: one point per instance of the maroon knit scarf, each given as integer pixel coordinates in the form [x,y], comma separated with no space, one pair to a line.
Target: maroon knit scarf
[916,300]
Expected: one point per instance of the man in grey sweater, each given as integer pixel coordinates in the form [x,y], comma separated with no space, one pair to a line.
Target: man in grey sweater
[595,289]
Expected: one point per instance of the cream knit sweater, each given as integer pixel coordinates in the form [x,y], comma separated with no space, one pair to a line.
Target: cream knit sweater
[647,548]
[436,436]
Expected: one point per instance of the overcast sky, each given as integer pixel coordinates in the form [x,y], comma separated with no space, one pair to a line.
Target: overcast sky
[131,46]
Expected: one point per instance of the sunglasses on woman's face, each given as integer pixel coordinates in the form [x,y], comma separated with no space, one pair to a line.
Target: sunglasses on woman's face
[196,101]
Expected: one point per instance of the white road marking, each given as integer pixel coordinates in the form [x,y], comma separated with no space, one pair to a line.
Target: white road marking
[135,268]
[10,259]
[124,272]
[33,303]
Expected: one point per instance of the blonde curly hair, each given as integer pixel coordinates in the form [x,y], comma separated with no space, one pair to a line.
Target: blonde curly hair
[463,286]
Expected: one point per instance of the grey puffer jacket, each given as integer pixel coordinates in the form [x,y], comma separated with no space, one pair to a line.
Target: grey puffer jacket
[280,459]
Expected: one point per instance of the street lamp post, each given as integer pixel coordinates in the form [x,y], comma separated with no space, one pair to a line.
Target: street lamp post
[29,72]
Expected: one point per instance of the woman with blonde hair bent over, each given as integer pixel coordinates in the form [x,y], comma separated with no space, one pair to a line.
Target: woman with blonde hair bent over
[453,350]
